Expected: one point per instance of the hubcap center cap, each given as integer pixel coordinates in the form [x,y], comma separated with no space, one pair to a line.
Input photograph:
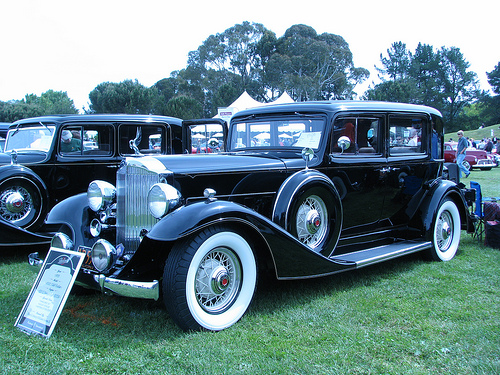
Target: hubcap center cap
[313,221]
[220,280]
[15,202]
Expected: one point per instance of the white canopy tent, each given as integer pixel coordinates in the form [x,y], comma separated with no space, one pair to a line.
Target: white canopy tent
[245,101]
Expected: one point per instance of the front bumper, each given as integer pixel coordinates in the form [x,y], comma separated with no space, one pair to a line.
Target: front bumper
[484,164]
[109,285]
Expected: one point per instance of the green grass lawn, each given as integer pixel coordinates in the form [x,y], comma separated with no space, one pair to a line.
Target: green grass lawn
[406,316]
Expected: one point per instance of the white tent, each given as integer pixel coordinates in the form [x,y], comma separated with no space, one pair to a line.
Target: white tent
[245,101]
[284,98]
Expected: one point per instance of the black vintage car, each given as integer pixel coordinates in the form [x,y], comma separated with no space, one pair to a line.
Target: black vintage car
[47,159]
[303,190]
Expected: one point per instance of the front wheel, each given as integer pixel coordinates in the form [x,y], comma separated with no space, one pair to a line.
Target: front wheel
[209,279]
[466,165]
[446,232]
[21,202]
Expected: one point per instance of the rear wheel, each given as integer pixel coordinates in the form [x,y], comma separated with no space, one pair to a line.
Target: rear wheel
[209,279]
[21,202]
[446,232]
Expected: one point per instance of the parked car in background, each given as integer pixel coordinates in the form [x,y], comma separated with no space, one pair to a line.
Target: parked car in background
[47,159]
[474,159]
[303,190]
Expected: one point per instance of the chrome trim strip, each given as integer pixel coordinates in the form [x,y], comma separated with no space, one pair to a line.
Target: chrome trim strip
[125,288]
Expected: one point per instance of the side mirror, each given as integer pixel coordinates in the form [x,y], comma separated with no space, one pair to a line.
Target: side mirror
[344,143]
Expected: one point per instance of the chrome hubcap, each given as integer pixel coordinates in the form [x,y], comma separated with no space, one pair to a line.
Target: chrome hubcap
[218,280]
[311,221]
[444,231]
[16,204]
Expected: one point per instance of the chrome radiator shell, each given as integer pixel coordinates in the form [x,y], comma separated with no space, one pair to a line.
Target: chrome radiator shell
[133,181]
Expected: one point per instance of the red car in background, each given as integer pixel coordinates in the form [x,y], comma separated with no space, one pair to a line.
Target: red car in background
[474,158]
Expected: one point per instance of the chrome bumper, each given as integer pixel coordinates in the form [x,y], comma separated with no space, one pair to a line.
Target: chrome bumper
[107,285]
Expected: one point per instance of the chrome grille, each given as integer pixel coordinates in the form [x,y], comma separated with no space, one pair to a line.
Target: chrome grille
[133,182]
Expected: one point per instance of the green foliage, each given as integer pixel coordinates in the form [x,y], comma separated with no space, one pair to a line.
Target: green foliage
[125,97]
[49,103]
[494,79]
[183,107]
[311,66]
[440,79]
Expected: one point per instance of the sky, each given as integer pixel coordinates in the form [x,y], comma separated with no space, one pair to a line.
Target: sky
[73,46]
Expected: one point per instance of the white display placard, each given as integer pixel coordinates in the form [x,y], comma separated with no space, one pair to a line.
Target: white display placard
[50,291]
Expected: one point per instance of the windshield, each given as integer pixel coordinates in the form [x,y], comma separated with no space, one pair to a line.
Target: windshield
[37,138]
[289,132]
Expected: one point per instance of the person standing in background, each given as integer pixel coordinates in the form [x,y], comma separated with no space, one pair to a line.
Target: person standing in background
[461,151]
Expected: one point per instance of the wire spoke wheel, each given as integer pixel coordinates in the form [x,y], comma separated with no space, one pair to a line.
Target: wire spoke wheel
[218,280]
[312,221]
[20,202]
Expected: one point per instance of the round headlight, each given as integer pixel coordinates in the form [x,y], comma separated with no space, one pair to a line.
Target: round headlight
[100,194]
[61,241]
[162,199]
[103,255]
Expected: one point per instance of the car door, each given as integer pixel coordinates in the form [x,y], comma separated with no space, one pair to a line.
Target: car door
[85,151]
[356,169]
[408,165]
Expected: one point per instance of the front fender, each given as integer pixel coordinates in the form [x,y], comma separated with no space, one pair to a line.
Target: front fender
[11,235]
[72,217]
[291,258]
[188,219]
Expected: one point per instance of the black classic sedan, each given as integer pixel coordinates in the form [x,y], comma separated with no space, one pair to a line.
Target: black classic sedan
[47,159]
[303,190]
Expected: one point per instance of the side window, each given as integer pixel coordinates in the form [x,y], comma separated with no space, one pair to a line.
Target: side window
[86,140]
[71,140]
[407,135]
[363,134]
[135,139]
[207,138]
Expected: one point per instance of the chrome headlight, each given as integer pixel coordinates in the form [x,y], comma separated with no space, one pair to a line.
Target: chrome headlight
[100,194]
[162,199]
[61,241]
[103,255]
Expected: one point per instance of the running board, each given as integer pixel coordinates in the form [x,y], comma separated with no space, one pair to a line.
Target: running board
[378,254]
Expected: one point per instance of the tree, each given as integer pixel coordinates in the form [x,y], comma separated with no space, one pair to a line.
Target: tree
[397,64]
[49,103]
[312,66]
[184,107]
[53,102]
[458,86]
[440,79]
[494,79]
[124,97]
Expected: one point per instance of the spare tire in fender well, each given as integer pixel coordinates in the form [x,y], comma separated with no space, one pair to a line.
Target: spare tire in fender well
[293,193]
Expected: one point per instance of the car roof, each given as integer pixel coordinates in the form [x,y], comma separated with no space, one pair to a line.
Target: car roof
[337,106]
[59,119]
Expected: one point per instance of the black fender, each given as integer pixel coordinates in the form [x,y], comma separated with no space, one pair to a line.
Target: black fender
[12,235]
[289,195]
[71,216]
[291,258]
[20,172]
[432,201]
